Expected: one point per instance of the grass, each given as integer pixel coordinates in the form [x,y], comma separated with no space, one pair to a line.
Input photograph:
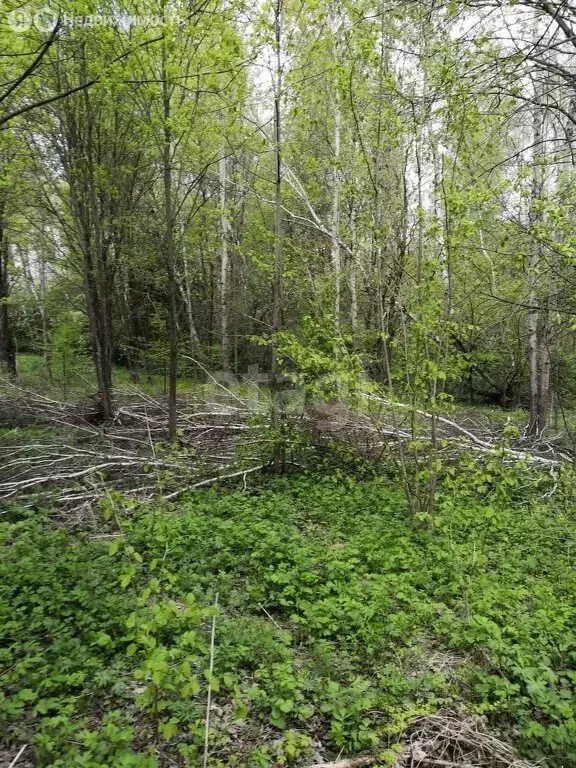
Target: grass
[79,380]
[79,383]
[339,621]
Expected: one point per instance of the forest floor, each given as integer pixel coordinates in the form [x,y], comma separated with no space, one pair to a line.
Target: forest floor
[340,624]
[313,617]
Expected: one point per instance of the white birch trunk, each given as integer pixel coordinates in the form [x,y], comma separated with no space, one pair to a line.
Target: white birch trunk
[224,263]
[335,223]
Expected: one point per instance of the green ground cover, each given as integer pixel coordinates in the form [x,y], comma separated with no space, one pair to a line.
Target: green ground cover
[339,620]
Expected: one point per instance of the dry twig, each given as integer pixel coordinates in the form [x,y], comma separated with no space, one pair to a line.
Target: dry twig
[353,762]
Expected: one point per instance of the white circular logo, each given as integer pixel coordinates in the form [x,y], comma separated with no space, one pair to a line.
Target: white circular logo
[19,20]
[45,19]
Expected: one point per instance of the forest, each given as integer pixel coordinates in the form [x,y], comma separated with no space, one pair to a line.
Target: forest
[288,383]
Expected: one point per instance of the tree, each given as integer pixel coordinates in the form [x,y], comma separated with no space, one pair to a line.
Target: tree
[277,282]
[7,348]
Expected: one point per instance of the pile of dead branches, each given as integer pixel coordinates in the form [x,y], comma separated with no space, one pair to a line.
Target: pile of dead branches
[375,431]
[23,408]
[217,438]
[447,740]
[76,461]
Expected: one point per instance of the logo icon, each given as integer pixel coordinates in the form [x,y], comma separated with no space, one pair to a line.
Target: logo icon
[19,20]
[45,19]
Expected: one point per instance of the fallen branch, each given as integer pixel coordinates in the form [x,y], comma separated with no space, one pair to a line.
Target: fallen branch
[435,761]
[240,472]
[476,441]
[353,762]
[18,756]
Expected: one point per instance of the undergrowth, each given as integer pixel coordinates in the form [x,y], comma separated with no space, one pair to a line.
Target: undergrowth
[339,620]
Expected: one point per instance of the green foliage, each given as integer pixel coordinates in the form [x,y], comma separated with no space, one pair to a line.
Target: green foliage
[61,628]
[334,607]
[324,363]
[70,338]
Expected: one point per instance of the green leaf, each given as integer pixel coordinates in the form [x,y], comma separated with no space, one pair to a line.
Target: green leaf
[169,728]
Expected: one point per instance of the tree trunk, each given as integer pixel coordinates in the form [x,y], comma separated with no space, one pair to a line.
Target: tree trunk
[46,340]
[39,293]
[277,405]
[442,216]
[546,362]
[536,425]
[102,364]
[129,311]
[187,296]
[99,286]
[224,263]
[169,251]
[335,218]
[352,271]
[80,120]
[7,348]
[354,249]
